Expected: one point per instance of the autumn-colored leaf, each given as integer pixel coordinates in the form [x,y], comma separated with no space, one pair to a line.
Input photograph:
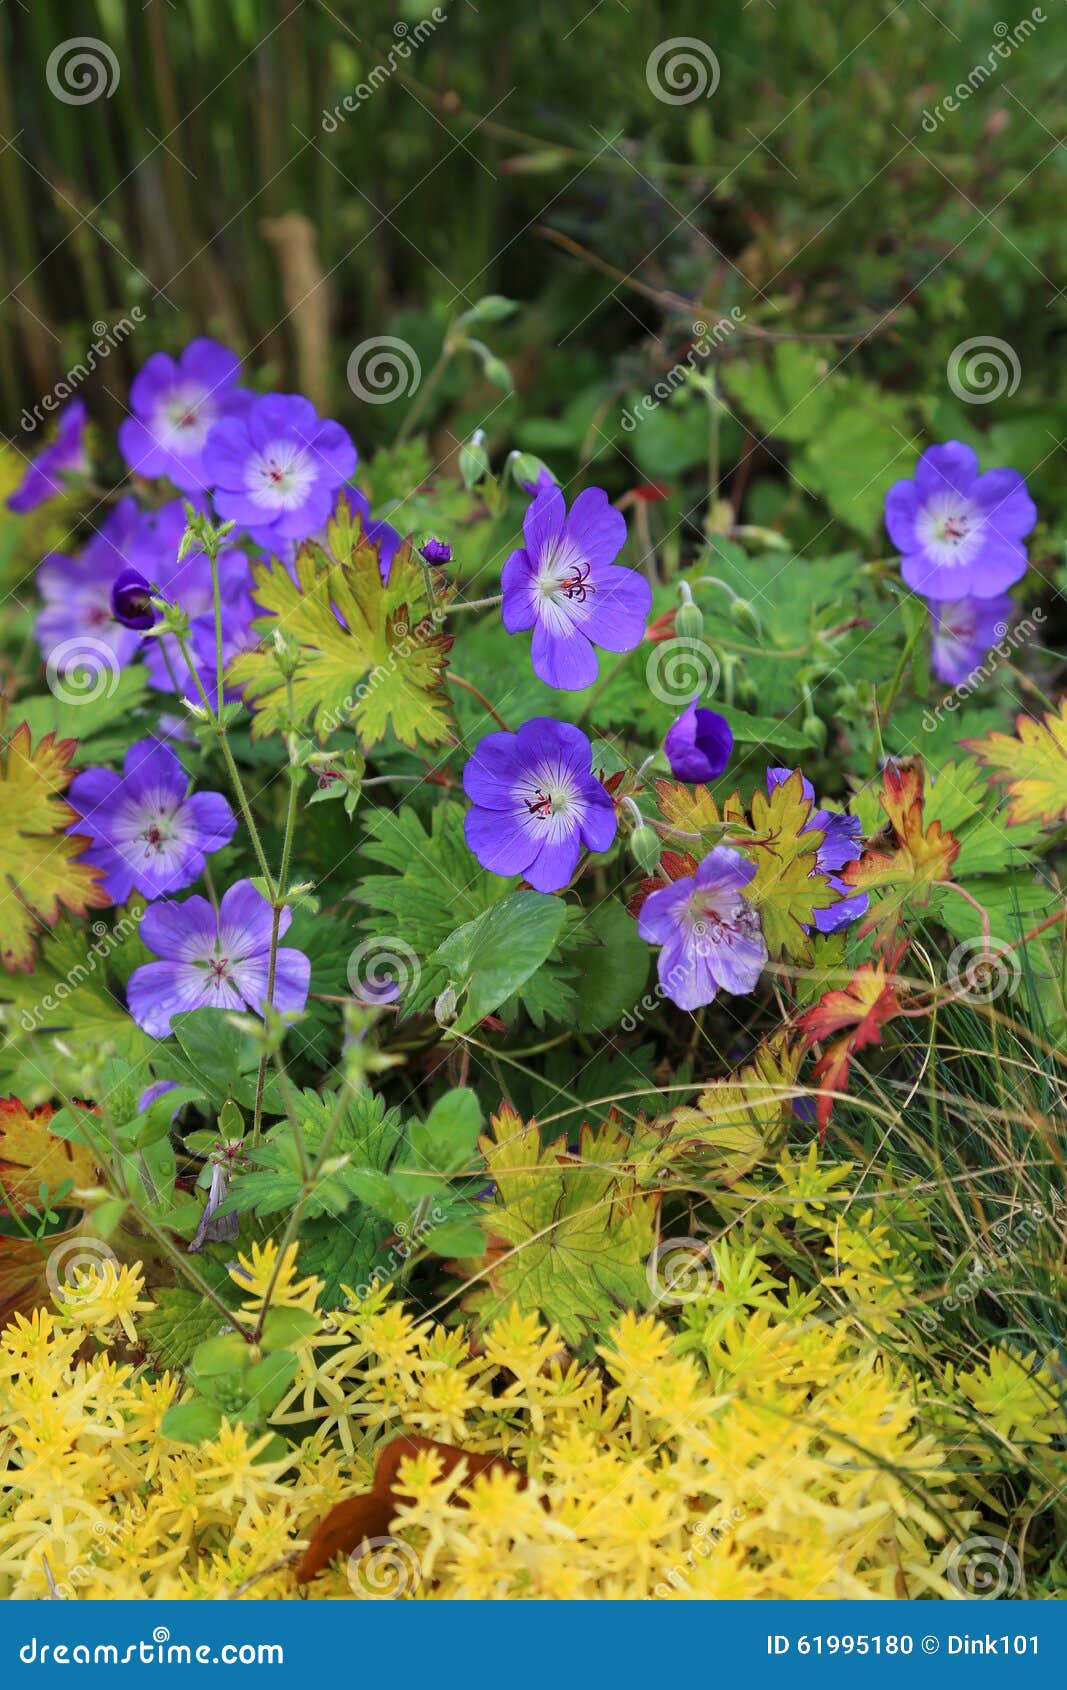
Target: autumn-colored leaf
[787,888]
[691,808]
[675,865]
[569,1235]
[40,868]
[1031,765]
[372,653]
[858,1011]
[356,1519]
[905,859]
[32,1156]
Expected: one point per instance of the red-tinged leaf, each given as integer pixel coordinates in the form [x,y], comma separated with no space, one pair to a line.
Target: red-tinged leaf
[1030,765]
[862,1007]
[904,860]
[357,1518]
[676,865]
[40,870]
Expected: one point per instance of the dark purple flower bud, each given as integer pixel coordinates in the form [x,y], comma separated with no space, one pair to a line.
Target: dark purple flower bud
[698,746]
[131,600]
[437,551]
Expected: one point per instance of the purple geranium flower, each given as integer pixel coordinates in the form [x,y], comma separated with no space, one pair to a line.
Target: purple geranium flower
[536,803]
[710,934]
[699,744]
[564,585]
[959,533]
[56,464]
[76,628]
[214,960]
[964,630]
[842,843]
[148,833]
[175,404]
[276,469]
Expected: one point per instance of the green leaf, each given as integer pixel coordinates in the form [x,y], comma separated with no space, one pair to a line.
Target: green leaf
[612,968]
[192,1422]
[225,1353]
[371,652]
[100,724]
[446,1140]
[490,957]
[219,1060]
[284,1327]
[765,730]
[410,899]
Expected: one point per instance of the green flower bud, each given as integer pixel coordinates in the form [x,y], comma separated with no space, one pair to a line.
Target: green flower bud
[743,616]
[815,730]
[646,848]
[689,620]
[473,459]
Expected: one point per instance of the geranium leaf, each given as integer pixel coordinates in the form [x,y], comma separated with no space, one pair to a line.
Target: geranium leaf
[371,652]
[40,867]
[903,862]
[569,1235]
[1031,765]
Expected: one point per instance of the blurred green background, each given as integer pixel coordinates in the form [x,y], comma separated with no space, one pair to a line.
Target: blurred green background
[222,188]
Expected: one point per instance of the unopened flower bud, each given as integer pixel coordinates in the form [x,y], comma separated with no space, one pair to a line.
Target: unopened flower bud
[743,616]
[645,847]
[131,600]
[689,620]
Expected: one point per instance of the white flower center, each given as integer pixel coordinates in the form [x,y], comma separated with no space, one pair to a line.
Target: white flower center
[184,418]
[549,801]
[280,477]
[715,919]
[950,528]
[563,587]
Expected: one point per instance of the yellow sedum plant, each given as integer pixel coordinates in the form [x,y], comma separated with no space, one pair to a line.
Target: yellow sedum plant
[763,1451]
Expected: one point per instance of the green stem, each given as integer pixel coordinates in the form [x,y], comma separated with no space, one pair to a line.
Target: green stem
[416,409]
[272,962]
[231,766]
